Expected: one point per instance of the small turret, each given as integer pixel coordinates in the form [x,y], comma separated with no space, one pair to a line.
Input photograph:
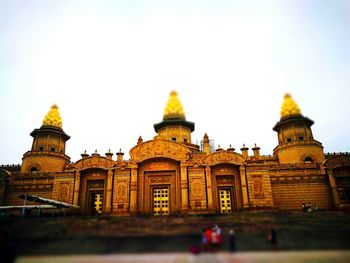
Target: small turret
[109,154]
[84,155]
[256,151]
[206,144]
[231,149]
[244,150]
[120,155]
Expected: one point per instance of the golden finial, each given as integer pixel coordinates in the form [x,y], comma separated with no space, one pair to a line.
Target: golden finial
[174,109]
[53,117]
[289,107]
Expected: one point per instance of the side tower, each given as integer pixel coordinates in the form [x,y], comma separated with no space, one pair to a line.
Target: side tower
[174,125]
[49,145]
[295,140]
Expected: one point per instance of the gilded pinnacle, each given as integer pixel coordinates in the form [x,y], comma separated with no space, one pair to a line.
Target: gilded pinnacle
[173,109]
[53,117]
[289,107]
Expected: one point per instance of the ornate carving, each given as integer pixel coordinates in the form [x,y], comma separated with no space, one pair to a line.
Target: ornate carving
[338,161]
[197,158]
[224,180]
[159,148]
[160,179]
[197,188]
[63,194]
[257,186]
[94,162]
[133,186]
[184,184]
[224,157]
[121,191]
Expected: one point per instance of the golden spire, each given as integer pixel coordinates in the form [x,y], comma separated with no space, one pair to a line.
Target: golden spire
[53,117]
[174,109]
[289,107]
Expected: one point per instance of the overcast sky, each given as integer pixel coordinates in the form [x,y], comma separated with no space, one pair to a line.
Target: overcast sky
[110,66]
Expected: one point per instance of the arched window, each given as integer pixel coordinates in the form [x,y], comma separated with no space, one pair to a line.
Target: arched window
[34,169]
[308,160]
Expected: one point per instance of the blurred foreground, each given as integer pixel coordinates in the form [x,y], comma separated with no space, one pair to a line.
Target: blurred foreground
[178,238]
[224,257]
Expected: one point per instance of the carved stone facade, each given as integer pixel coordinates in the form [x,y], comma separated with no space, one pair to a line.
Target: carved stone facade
[170,175]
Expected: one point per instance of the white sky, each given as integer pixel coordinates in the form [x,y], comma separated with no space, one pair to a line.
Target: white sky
[110,66]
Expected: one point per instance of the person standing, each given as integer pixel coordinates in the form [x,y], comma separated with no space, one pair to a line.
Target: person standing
[272,237]
[232,241]
[208,237]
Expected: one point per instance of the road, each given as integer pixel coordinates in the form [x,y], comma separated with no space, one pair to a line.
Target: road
[333,256]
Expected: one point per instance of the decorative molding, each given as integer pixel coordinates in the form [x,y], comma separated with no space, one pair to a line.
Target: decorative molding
[94,162]
[287,179]
[225,180]
[337,161]
[224,157]
[159,148]
[184,184]
[160,179]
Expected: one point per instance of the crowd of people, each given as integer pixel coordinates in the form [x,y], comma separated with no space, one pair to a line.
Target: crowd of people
[308,207]
[211,237]
[211,240]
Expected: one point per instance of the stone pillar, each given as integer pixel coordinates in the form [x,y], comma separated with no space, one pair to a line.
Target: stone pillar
[133,191]
[184,188]
[244,187]
[209,188]
[76,188]
[109,191]
[333,187]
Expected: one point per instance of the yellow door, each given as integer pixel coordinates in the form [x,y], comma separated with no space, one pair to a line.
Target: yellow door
[161,201]
[225,201]
[98,203]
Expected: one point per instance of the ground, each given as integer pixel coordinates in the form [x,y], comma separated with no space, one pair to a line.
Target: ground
[321,230]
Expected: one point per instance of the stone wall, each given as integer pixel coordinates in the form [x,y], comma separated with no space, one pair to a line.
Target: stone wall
[290,192]
[259,187]
[63,189]
[35,185]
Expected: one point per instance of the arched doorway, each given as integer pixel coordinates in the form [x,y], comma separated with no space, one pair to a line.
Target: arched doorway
[159,186]
[92,191]
[227,190]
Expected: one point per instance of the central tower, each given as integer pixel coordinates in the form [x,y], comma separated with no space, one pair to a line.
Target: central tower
[174,125]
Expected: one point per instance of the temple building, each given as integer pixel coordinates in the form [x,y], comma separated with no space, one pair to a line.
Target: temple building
[171,175]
